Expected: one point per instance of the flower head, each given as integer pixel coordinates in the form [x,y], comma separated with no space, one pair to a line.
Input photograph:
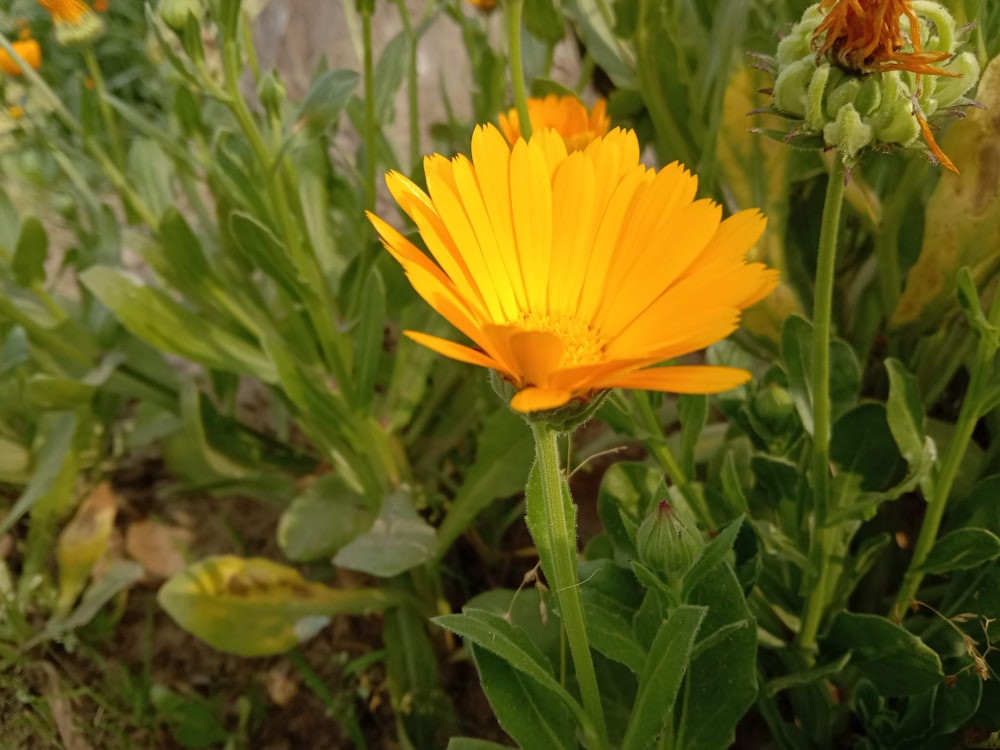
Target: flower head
[486,5]
[75,21]
[576,272]
[30,52]
[565,114]
[872,73]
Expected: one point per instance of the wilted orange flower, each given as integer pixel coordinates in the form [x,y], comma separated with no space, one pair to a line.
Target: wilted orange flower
[565,114]
[30,52]
[866,36]
[575,272]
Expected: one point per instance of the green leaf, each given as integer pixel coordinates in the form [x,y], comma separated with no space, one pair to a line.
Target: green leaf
[193,721]
[543,21]
[527,711]
[693,414]
[962,549]
[264,251]
[322,520]
[150,170]
[53,459]
[255,607]
[722,679]
[52,393]
[600,41]
[469,743]
[32,249]
[398,540]
[504,453]
[325,100]
[369,341]
[713,554]
[610,598]
[845,372]
[980,508]
[493,633]
[389,73]
[905,412]
[10,224]
[863,444]
[660,680]
[113,581]
[161,321]
[895,660]
[807,676]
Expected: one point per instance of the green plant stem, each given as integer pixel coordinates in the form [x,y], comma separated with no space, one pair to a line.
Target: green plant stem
[370,134]
[982,370]
[107,116]
[412,87]
[514,9]
[560,523]
[822,322]
[657,446]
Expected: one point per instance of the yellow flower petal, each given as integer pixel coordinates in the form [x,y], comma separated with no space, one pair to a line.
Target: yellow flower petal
[572,271]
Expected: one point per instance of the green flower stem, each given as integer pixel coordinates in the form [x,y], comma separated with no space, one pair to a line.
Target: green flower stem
[822,318]
[657,446]
[107,116]
[514,9]
[370,134]
[412,87]
[968,416]
[560,524]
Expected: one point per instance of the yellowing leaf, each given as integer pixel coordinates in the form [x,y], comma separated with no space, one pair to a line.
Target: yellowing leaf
[255,607]
[962,226]
[83,542]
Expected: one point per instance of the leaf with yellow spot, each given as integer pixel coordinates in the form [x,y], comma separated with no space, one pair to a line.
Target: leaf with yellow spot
[83,542]
[962,226]
[255,607]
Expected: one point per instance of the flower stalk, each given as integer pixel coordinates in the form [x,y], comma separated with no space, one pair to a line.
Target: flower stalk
[960,439]
[822,323]
[560,526]
[514,9]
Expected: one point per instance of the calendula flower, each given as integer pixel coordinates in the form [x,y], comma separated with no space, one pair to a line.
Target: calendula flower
[565,114]
[486,5]
[576,272]
[30,52]
[872,73]
[76,22]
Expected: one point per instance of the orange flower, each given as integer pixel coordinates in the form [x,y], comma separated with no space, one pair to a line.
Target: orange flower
[101,6]
[30,52]
[66,11]
[866,36]
[486,5]
[576,272]
[565,114]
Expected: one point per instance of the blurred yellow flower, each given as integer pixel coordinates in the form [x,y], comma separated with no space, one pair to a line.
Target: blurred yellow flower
[565,114]
[576,272]
[30,52]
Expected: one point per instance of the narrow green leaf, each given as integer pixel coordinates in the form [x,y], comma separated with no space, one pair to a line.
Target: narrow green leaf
[326,98]
[713,554]
[905,412]
[150,170]
[527,712]
[390,70]
[661,679]
[369,341]
[962,549]
[30,254]
[693,414]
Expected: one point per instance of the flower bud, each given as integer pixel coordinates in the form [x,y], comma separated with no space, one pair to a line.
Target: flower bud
[175,12]
[669,542]
[271,92]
